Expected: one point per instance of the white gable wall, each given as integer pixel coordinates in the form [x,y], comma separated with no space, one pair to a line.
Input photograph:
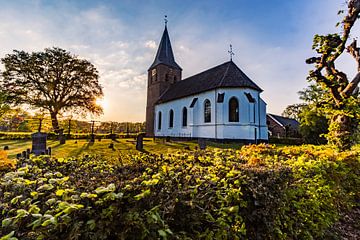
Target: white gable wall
[245,129]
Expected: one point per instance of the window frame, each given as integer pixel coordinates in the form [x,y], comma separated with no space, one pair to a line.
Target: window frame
[234,116]
[171,118]
[207,111]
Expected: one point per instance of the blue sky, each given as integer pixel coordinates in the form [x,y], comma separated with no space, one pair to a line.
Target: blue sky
[271,40]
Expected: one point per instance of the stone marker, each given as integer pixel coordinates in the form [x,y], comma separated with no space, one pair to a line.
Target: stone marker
[111,146]
[202,143]
[18,156]
[140,142]
[38,143]
[6,148]
[49,151]
[62,137]
[92,138]
[112,136]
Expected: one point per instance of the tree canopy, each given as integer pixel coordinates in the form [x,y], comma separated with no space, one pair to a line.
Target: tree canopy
[343,106]
[52,80]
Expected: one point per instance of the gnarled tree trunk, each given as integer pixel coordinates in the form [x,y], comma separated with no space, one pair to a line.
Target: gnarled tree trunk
[341,131]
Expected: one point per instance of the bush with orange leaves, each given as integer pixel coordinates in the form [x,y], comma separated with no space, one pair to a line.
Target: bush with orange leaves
[5,163]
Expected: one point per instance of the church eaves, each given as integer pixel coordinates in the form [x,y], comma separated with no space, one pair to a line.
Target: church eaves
[165,54]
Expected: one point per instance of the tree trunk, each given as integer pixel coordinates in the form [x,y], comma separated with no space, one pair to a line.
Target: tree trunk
[54,122]
[340,131]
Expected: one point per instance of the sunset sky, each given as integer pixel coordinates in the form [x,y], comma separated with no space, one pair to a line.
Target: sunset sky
[271,40]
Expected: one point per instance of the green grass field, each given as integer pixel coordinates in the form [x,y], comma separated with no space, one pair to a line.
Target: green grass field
[74,148]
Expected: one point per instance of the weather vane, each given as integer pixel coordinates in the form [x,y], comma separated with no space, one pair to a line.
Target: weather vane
[231,52]
[165,19]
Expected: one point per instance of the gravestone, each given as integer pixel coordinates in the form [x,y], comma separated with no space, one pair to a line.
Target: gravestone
[202,143]
[140,142]
[62,138]
[6,148]
[92,138]
[112,136]
[38,143]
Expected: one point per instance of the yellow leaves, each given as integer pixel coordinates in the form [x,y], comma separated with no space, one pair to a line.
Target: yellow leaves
[59,192]
[5,163]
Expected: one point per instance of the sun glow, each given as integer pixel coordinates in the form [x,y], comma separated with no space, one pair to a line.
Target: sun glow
[103,103]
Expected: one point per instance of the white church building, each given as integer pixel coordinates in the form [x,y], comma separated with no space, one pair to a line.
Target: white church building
[220,103]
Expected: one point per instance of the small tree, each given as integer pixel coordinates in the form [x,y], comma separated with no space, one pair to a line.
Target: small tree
[53,80]
[313,122]
[343,108]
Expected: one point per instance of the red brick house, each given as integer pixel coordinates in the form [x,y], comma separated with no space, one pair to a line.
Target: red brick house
[282,127]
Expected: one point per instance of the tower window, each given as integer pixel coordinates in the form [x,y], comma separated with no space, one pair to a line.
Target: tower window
[171,118]
[233,110]
[184,117]
[153,75]
[174,79]
[207,111]
[159,121]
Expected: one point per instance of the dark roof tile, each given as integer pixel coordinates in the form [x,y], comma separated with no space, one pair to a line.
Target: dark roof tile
[226,75]
[165,54]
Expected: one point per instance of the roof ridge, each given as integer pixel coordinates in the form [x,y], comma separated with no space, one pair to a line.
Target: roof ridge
[226,71]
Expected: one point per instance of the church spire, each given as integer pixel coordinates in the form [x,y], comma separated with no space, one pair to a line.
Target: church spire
[165,54]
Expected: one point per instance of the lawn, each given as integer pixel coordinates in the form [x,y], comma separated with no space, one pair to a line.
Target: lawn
[74,148]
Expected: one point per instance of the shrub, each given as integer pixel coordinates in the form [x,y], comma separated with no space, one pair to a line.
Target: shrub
[257,192]
[5,163]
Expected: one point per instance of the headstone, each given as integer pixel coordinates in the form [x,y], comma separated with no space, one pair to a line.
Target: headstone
[140,142]
[49,151]
[92,137]
[6,148]
[62,138]
[202,144]
[28,150]
[167,139]
[112,136]
[111,146]
[38,143]
[18,156]
[23,154]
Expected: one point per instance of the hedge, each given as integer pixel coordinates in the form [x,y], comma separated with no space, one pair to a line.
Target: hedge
[257,192]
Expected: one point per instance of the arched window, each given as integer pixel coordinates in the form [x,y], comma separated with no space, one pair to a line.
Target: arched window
[184,117]
[233,110]
[159,120]
[171,118]
[207,111]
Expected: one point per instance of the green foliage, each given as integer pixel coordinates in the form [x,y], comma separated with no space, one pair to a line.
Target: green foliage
[312,114]
[258,192]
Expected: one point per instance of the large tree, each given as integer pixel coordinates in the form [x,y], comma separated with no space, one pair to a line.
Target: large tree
[53,80]
[343,109]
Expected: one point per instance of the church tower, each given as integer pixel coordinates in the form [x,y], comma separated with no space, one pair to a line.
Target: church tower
[161,75]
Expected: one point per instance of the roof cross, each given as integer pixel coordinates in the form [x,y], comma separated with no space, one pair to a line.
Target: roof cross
[231,52]
[166,21]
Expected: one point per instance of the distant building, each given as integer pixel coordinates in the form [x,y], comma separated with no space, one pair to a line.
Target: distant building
[282,126]
[219,103]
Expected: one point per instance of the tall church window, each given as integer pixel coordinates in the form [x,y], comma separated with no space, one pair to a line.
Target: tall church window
[159,121]
[207,111]
[184,117]
[171,118]
[233,110]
